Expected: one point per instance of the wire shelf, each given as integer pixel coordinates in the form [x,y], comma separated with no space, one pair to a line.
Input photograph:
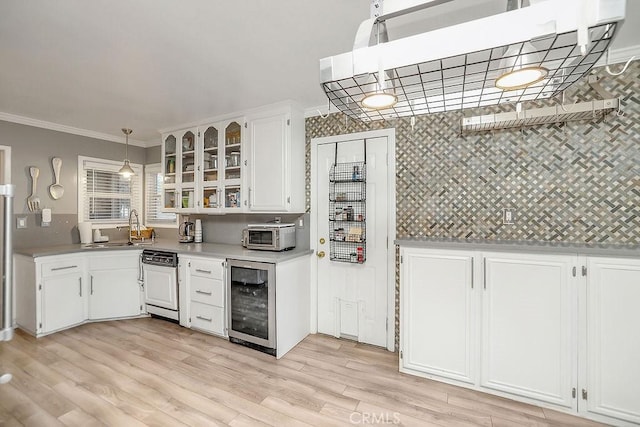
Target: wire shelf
[347,212]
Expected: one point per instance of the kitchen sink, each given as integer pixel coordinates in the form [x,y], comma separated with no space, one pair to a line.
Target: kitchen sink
[115,245]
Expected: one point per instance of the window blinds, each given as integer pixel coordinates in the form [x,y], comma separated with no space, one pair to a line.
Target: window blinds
[153,198]
[104,196]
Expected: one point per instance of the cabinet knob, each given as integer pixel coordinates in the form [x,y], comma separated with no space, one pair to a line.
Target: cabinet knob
[320,254]
[322,240]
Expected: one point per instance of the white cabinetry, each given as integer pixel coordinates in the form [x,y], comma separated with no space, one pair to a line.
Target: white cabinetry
[57,292]
[215,169]
[438,313]
[114,290]
[527,315]
[610,350]
[276,160]
[203,279]
[558,330]
[63,293]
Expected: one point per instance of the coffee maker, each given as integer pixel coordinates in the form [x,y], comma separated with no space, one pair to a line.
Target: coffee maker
[186,232]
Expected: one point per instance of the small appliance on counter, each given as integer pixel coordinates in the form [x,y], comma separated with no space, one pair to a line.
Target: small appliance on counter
[186,232]
[269,237]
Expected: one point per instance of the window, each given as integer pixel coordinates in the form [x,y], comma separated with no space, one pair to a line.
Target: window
[154,216]
[105,198]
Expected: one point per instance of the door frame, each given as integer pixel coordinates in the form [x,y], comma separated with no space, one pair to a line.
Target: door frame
[390,134]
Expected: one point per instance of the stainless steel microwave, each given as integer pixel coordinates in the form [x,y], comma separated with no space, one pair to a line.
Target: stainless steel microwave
[269,237]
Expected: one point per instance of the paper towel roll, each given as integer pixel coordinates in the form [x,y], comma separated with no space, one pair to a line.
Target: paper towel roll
[198,233]
[85,232]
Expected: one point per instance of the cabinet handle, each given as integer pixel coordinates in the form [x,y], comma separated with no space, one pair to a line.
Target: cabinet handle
[484,272]
[208,319]
[203,271]
[80,283]
[471,273]
[64,268]
[198,291]
[91,287]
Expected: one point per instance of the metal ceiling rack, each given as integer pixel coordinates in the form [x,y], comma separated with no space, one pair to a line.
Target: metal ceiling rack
[539,116]
[459,68]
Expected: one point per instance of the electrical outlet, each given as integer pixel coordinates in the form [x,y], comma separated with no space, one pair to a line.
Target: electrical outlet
[508,215]
[21,222]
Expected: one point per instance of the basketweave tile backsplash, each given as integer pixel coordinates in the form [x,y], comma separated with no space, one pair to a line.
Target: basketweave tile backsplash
[576,182]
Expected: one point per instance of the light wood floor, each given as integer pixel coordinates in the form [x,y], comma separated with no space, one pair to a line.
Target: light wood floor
[152,372]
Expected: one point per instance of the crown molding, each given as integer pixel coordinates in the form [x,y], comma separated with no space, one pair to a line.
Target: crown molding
[28,121]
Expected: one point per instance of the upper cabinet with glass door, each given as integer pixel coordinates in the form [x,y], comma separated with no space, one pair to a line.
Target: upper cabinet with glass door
[180,161]
[211,175]
[232,185]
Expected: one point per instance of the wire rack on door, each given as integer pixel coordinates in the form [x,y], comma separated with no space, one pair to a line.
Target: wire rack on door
[348,212]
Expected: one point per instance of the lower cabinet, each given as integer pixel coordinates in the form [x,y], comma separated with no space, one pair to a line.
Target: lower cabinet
[202,282]
[527,318]
[63,295]
[554,329]
[114,290]
[438,314]
[58,292]
[610,340]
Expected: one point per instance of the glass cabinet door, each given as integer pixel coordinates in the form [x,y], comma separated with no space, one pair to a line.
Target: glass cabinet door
[170,160]
[188,159]
[210,198]
[233,140]
[170,198]
[210,155]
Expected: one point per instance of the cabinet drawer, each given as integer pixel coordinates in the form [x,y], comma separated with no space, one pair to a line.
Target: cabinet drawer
[207,317]
[206,268]
[207,291]
[62,266]
[108,261]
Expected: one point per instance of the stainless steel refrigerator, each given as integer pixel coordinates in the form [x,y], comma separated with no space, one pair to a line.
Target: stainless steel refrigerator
[6,287]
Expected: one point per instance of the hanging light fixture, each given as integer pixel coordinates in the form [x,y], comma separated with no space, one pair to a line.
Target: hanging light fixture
[380,99]
[126,170]
[522,68]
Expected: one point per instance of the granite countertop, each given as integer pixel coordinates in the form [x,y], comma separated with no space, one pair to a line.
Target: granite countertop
[217,250]
[596,249]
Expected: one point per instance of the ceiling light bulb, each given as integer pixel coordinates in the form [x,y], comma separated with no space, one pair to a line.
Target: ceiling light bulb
[521,78]
[379,100]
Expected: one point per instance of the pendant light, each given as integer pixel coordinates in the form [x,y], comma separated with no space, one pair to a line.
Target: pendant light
[522,69]
[380,98]
[126,170]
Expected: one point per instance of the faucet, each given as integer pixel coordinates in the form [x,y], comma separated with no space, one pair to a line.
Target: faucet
[134,212]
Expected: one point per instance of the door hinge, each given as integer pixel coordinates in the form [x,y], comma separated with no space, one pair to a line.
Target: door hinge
[189,263]
[40,325]
[288,199]
[198,134]
[401,259]
[39,287]
[288,122]
[140,308]
[401,354]
[584,270]
[245,126]
[573,271]
[386,325]
[574,393]
[584,394]
[189,319]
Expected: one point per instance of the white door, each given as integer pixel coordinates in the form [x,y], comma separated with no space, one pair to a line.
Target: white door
[113,293]
[63,301]
[352,298]
[612,386]
[437,313]
[527,326]
[160,286]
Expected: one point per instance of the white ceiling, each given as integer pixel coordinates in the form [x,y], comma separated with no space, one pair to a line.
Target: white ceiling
[101,65]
